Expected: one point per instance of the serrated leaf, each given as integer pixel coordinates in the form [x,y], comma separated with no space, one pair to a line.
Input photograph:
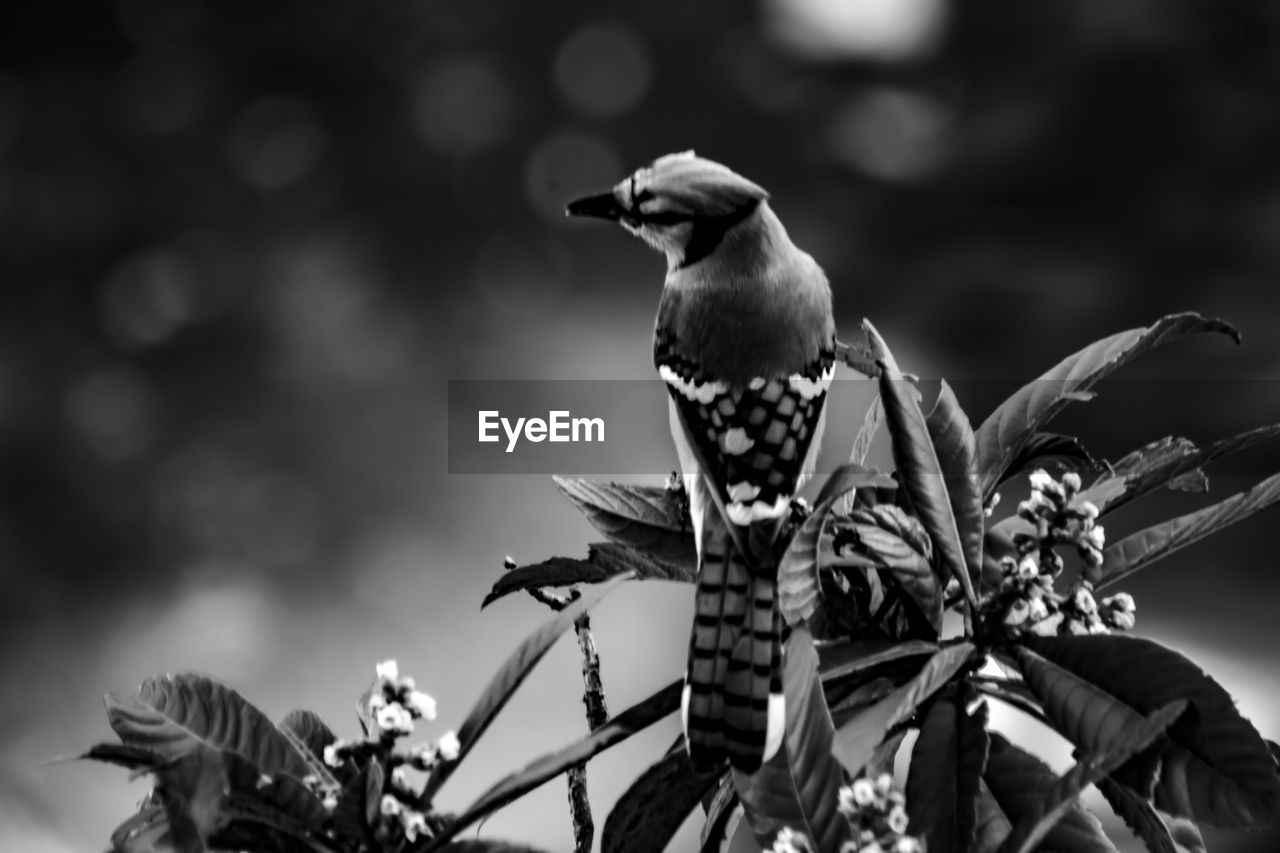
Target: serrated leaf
[1164,462]
[310,735]
[886,538]
[1214,766]
[511,675]
[173,714]
[1156,830]
[946,770]
[798,787]
[648,813]
[954,442]
[920,471]
[1016,779]
[1007,430]
[1051,449]
[645,517]
[604,560]
[1136,735]
[635,719]
[799,585]
[1143,548]
[856,740]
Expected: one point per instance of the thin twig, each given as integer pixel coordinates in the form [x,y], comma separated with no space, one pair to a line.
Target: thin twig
[597,715]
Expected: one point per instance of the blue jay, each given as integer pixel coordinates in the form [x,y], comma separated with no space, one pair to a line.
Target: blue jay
[745,341]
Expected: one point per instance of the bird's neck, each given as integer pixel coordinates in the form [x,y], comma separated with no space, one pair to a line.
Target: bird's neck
[740,252]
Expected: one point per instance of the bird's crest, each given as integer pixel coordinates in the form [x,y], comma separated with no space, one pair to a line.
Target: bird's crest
[689,185]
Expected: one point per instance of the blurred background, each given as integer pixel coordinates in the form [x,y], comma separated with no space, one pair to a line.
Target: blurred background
[243,247]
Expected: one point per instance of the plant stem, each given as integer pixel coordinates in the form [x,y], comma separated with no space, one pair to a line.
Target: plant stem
[597,714]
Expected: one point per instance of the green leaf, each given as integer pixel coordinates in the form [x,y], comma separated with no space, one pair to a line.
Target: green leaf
[871,423]
[147,831]
[194,786]
[1135,736]
[649,518]
[173,714]
[635,719]
[1005,433]
[884,537]
[799,786]
[648,814]
[724,814]
[946,769]
[799,586]
[1214,766]
[1160,832]
[1164,462]
[1017,779]
[921,472]
[1143,548]
[511,675]
[1051,449]
[848,657]
[310,736]
[992,827]
[954,442]
[604,560]
[856,740]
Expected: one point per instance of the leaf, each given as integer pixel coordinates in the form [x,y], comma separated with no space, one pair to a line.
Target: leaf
[847,657]
[635,719]
[884,537]
[724,813]
[194,787]
[1017,779]
[1154,828]
[144,832]
[991,827]
[920,472]
[604,560]
[1051,449]
[648,814]
[308,729]
[1006,432]
[1140,549]
[946,769]
[511,675]
[172,714]
[124,755]
[856,740]
[649,518]
[799,586]
[954,442]
[798,787]
[1214,766]
[871,423]
[1135,736]
[1164,462]
[358,805]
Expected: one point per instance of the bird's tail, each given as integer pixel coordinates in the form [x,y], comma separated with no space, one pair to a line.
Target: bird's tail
[733,687]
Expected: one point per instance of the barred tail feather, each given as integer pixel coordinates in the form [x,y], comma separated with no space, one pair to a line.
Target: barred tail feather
[733,689]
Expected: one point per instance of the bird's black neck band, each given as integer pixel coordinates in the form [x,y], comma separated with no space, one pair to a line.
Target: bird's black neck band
[708,231]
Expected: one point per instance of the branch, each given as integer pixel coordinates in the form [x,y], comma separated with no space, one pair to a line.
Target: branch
[597,715]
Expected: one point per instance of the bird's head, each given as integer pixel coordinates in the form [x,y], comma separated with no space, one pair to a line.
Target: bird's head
[680,204]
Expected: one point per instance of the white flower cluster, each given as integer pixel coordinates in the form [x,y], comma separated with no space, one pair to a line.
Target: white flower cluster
[878,816]
[1026,602]
[394,704]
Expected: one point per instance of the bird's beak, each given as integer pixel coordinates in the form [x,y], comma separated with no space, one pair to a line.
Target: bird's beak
[602,206]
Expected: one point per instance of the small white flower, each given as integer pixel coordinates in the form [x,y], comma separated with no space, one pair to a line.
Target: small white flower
[1047,627]
[898,820]
[907,844]
[400,778]
[884,784]
[406,682]
[1071,481]
[1096,626]
[1088,509]
[423,757]
[331,756]
[421,705]
[449,746]
[1017,613]
[388,670]
[1122,620]
[1041,481]
[1096,536]
[377,701]
[846,804]
[390,805]
[1008,566]
[1028,568]
[415,823]
[1083,601]
[329,800]
[1037,610]
[789,841]
[850,846]
[873,847]
[1076,627]
[394,719]
[1038,501]
[1121,601]
[864,793]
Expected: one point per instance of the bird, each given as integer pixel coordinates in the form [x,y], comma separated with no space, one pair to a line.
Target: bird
[745,342]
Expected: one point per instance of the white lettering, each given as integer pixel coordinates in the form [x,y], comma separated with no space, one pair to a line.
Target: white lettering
[588,424]
[487,425]
[535,430]
[513,435]
[559,422]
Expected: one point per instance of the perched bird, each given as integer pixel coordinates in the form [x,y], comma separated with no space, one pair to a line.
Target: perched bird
[745,342]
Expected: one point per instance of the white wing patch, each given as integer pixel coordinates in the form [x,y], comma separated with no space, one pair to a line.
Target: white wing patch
[810,388]
[743,492]
[736,442]
[742,513]
[702,392]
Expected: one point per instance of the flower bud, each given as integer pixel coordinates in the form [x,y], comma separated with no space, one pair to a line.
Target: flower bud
[1041,481]
[1048,627]
[388,670]
[1019,610]
[390,805]
[1121,601]
[1082,600]
[863,792]
[898,820]
[1071,482]
[1087,509]
[420,704]
[448,746]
